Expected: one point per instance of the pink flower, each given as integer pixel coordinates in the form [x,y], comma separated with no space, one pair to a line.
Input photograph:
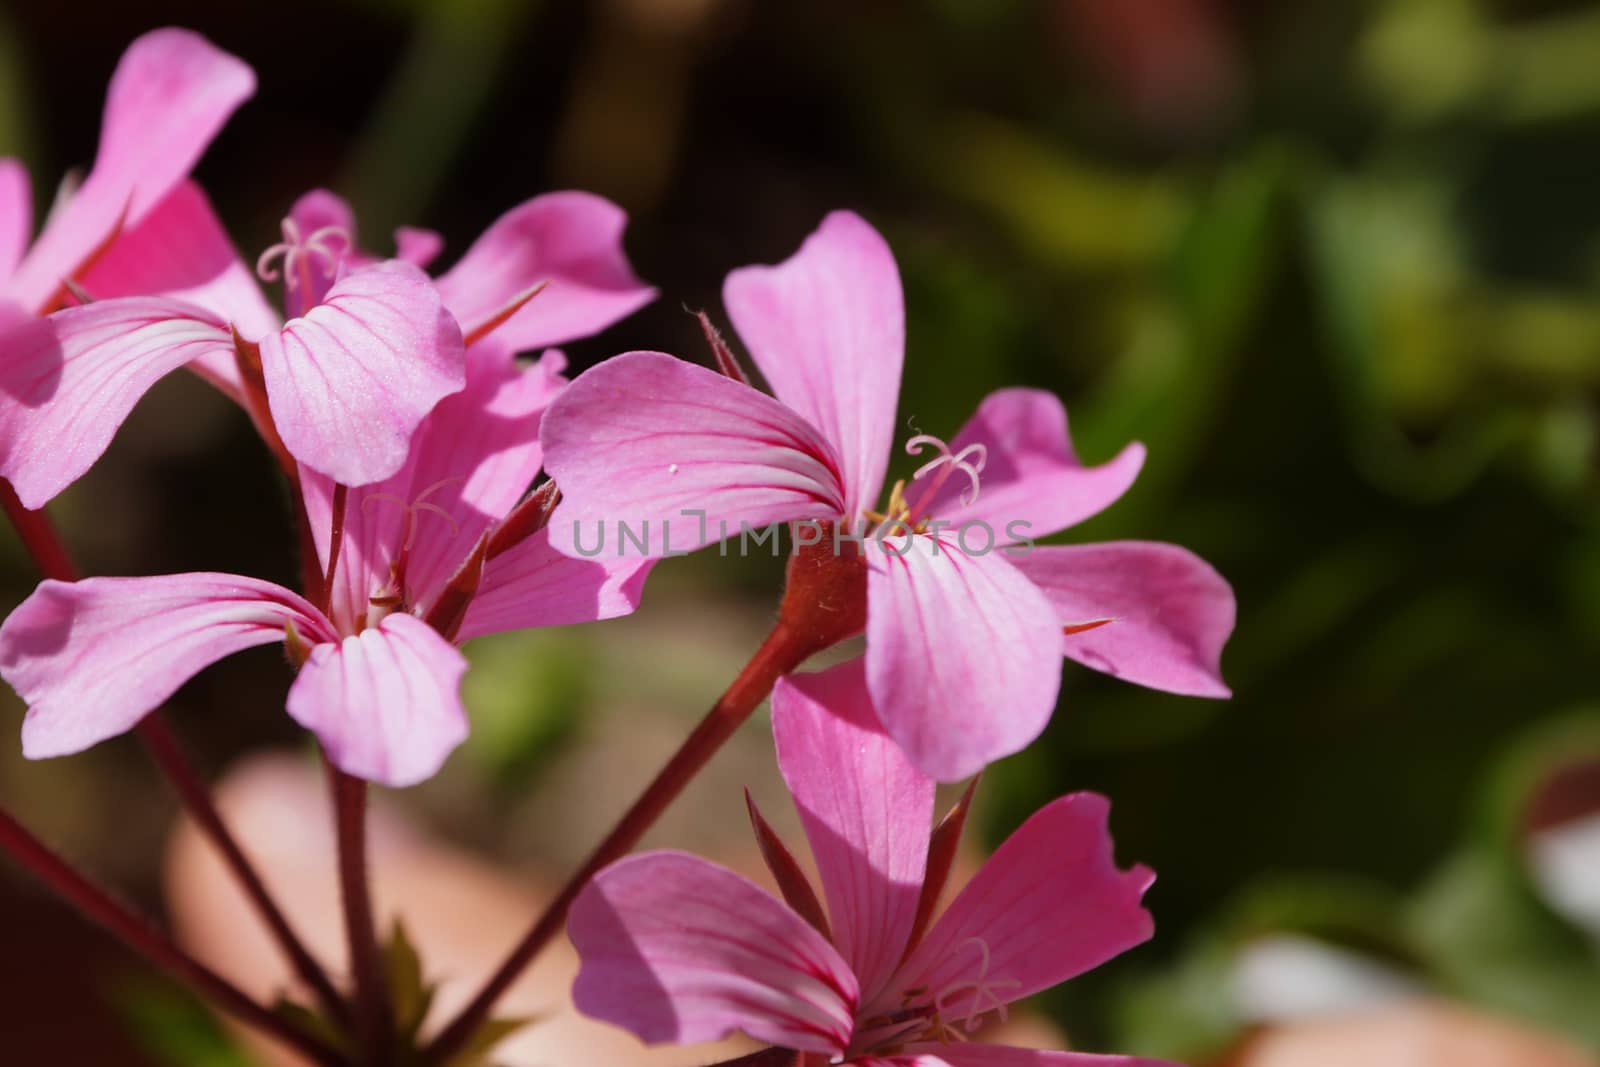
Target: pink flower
[965,624]
[170,95]
[370,348]
[379,684]
[678,950]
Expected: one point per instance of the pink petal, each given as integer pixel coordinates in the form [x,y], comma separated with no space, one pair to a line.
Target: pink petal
[317,210]
[678,950]
[958,1055]
[532,585]
[92,658]
[386,704]
[962,653]
[181,250]
[417,246]
[648,439]
[70,379]
[470,461]
[16,216]
[171,93]
[571,240]
[350,381]
[1170,611]
[866,811]
[827,329]
[1049,905]
[1031,476]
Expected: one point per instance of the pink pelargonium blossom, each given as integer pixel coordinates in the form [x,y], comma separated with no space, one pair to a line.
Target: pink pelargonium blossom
[420,569]
[966,620]
[170,95]
[370,347]
[679,950]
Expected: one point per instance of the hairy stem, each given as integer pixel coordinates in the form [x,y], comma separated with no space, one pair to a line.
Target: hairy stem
[100,907]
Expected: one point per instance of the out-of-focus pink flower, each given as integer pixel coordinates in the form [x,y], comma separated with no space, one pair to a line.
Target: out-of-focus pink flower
[677,949]
[379,685]
[171,93]
[964,623]
[1173,62]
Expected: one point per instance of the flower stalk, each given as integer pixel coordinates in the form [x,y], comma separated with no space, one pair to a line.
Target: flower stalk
[824,603]
[99,906]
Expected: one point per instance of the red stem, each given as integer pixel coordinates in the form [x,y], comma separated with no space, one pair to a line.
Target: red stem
[168,753]
[374,1013]
[783,650]
[139,935]
[44,544]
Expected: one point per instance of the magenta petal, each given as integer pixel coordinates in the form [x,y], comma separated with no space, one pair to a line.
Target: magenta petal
[827,329]
[963,654]
[350,381]
[532,585]
[386,704]
[648,439]
[170,95]
[317,210]
[92,658]
[181,250]
[960,1055]
[1170,611]
[419,246]
[573,241]
[1049,905]
[1031,476]
[470,461]
[678,950]
[867,813]
[16,216]
[70,379]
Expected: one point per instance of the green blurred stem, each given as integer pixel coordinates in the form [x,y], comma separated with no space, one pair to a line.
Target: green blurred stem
[49,553]
[100,907]
[374,1011]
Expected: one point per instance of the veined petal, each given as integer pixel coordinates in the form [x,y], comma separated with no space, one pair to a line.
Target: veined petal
[181,250]
[532,585]
[16,216]
[678,950]
[1049,905]
[350,381]
[827,329]
[867,813]
[171,93]
[962,653]
[974,1055]
[570,240]
[1170,612]
[69,380]
[1031,476]
[92,658]
[470,461]
[645,438]
[386,703]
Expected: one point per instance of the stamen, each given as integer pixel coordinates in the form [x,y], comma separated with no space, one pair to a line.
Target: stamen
[983,990]
[959,461]
[326,246]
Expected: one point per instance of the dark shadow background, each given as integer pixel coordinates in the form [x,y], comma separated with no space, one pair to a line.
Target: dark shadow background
[1334,262]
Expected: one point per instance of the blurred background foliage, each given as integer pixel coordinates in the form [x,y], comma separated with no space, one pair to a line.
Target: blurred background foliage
[1335,262]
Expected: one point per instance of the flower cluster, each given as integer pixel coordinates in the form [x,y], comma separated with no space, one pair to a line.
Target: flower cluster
[413,438]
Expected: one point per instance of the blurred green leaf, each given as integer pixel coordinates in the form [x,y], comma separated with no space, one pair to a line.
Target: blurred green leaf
[173,1028]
